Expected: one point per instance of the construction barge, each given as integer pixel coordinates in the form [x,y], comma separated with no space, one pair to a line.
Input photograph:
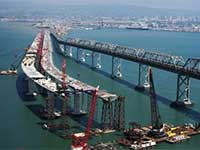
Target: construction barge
[138,137]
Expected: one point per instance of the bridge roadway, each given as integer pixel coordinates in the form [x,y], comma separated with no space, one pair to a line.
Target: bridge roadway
[28,67]
[49,67]
[175,64]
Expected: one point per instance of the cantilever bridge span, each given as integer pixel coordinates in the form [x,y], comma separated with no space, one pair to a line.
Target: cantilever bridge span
[184,68]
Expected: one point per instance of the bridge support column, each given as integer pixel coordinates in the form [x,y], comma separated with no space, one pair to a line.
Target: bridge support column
[119,114]
[77,54]
[65,110]
[77,98]
[107,115]
[143,77]
[66,103]
[67,50]
[30,93]
[65,47]
[50,106]
[70,52]
[82,55]
[93,55]
[116,67]
[96,63]
[88,102]
[83,108]
[183,92]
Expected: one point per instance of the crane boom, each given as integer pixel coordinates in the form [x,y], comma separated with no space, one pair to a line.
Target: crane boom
[92,111]
[157,125]
[155,115]
[80,140]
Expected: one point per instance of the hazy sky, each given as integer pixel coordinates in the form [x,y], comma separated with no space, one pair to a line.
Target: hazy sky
[171,4]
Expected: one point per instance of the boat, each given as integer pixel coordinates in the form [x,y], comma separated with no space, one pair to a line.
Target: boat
[137,28]
[145,143]
[8,72]
[178,138]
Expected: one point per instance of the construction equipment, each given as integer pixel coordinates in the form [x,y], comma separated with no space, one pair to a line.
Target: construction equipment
[39,50]
[80,140]
[65,103]
[156,122]
[64,74]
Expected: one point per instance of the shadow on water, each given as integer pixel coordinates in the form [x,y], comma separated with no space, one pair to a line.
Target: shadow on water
[37,109]
[193,114]
[22,88]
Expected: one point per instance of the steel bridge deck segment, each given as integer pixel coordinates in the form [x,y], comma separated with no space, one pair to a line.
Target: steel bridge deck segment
[175,64]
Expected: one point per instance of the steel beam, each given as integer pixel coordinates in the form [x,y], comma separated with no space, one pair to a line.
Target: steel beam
[143,77]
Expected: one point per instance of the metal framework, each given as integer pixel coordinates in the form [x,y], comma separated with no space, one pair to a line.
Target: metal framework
[143,76]
[77,107]
[119,113]
[176,64]
[82,55]
[50,105]
[107,115]
[116,67]
[77,54]
[183,88]
[96,60]
[155,115]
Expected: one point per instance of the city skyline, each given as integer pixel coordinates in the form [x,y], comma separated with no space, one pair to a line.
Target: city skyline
[166,4]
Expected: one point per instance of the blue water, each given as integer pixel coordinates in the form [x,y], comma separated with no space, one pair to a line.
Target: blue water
[19,128]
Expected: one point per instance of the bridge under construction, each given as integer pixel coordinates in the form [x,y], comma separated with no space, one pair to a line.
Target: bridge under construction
[39,68]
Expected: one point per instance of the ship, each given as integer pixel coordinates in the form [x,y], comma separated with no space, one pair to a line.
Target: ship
[137,28]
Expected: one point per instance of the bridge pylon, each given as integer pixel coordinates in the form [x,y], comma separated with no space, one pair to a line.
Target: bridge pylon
[107,115]
[77,54]
[143,77]
[116,67]
[67,50]
[119,113]
[183,92]
[50,106]
[96,60]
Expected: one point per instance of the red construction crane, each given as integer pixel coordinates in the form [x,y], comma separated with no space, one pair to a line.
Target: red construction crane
[39,49]
[64,82]
[80,140]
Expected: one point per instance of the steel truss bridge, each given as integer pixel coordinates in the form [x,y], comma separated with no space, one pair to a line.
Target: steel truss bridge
[184,68]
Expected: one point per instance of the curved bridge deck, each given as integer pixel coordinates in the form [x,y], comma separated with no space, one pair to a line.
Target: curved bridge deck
[28,67]
[49,67]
